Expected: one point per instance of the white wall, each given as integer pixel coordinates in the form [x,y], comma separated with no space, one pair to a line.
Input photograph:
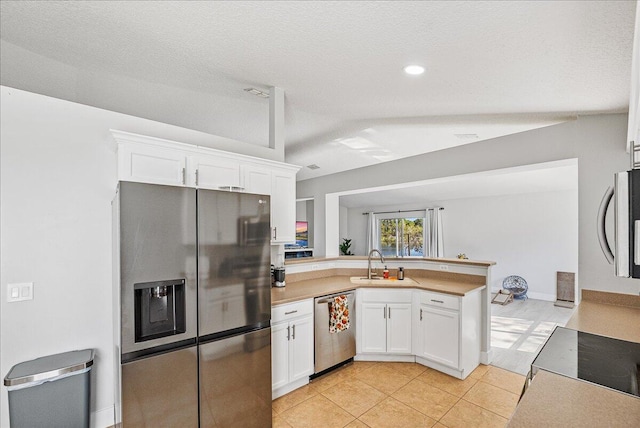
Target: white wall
[58,177]
[531,235]
[598,142]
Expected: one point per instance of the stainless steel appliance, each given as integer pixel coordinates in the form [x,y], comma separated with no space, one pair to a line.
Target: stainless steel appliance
[194,307]
[626,253]
[607,362]
[333,348]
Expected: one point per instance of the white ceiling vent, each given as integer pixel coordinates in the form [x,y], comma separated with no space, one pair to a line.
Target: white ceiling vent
[313,166]
[257,92]
[467,136]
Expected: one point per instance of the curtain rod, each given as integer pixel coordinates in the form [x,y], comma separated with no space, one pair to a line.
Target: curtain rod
[403,211]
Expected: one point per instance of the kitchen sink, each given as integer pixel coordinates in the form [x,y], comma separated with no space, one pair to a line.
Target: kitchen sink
[380,281]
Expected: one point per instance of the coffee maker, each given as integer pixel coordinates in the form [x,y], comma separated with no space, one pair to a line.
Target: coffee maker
[277,276]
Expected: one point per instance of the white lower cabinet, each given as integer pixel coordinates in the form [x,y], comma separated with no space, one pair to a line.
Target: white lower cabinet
[439,334]
[438,330]
[385,324]
[291,346]
[448,332]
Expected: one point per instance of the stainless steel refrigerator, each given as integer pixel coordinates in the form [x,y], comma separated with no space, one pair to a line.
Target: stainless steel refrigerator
[193,303]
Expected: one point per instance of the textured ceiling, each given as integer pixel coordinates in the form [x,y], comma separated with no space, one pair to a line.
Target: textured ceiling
[492,68]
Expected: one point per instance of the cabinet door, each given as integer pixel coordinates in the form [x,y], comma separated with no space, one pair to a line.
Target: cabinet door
[151,165]
[301,348]
[214,172]
[399,328]
[440,335]
[283,206]
[374,327]
[279,355]
[256,179]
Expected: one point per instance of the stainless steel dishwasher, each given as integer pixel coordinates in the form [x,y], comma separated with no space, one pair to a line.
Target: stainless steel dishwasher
[333,348]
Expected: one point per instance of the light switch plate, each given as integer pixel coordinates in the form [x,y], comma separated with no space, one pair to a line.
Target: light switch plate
[19,292]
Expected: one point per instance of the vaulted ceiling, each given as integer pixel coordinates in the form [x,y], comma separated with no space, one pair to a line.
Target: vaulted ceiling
[492,68]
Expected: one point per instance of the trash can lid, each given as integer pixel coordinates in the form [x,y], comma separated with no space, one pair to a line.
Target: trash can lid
[48,367]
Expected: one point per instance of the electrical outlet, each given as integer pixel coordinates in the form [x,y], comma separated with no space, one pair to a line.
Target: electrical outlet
[444,267]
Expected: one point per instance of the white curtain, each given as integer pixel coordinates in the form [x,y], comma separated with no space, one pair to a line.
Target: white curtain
[433,239]
[372,232]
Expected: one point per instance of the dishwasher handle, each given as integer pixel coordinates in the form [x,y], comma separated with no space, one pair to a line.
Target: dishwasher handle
[329,299]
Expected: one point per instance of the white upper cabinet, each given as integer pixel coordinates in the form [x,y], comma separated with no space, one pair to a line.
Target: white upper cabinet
[214,172]
[283,206]
[281,185]
[148,164]
[256,179]
[152,160]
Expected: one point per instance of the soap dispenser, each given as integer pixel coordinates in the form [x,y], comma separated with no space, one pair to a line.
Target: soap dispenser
[385,273]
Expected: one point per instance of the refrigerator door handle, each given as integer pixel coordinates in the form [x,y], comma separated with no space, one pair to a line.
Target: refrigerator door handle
[602,216]
[636,243]
[622,223]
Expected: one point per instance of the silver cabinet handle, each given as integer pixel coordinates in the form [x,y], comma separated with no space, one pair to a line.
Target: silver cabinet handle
[275,232]
[294,332]
[291,312]
[196,177]
[231,188]
[389,313]
[437,301]
[384,312]
[288,333]
[420,314]
[602,215]
[184,175]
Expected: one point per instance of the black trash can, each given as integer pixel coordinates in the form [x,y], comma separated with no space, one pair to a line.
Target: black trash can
[51,391]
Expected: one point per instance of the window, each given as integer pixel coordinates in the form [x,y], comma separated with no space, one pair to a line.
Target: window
[401,236]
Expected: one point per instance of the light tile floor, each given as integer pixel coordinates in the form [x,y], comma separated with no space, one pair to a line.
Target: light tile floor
[369,394]
[520,328]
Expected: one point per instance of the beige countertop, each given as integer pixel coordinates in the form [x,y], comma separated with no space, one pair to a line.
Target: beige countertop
[335,284]
[558,401]
[583,403]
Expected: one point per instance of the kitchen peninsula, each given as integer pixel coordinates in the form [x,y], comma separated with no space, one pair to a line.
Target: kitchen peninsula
[441,310]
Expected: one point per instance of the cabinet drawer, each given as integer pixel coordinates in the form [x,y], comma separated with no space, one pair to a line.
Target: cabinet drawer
[291,310]
[440,300]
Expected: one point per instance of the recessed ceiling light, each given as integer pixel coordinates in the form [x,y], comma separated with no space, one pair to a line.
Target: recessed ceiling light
[414,70]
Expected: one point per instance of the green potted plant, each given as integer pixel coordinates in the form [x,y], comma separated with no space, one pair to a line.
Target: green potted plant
[345,247]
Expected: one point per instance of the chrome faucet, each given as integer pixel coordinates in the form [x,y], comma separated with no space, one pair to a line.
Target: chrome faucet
[369,265]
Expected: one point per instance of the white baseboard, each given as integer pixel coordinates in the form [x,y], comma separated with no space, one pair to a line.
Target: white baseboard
[279,392]
[534,295]
[102,418]
[486,357]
